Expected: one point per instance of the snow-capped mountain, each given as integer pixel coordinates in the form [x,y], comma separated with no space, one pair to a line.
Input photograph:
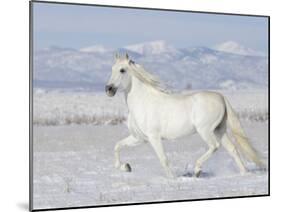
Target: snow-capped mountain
[154,47]
[235,48]
[95,49]
[198,67]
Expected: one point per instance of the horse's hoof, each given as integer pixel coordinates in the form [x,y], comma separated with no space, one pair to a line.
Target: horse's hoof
[198,173]
[126,167]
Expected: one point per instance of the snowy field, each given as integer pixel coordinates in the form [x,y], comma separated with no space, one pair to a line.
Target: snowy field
[74,138]
[62,107]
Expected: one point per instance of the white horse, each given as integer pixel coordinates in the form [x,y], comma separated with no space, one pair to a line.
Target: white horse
[156,114]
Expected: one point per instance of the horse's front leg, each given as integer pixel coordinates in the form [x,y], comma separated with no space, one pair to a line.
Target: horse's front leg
[157,145]
[129,141]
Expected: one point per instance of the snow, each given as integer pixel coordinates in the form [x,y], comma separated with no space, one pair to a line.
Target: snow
[153,47]
[235,48]
[73,142]
[73,166]
[95,48]
[61,108]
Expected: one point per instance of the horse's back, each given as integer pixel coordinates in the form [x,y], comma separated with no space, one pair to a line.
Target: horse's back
[208,96]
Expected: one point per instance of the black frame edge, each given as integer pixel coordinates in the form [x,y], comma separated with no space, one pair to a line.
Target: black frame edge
[30,106]
[268,57]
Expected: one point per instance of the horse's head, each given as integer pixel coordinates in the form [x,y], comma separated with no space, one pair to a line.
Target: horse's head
[120,78]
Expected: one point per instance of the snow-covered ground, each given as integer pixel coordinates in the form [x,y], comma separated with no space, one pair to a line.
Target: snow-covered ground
[74,137]
[73,166]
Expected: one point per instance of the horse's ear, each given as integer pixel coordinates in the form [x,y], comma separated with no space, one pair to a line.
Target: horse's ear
[116,56]
[127,56]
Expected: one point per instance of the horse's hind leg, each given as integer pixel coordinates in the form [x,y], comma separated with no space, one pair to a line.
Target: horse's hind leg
[231,149]
[129,141]
[210,138]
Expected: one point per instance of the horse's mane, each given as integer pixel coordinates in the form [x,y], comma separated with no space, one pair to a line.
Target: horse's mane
[147,78]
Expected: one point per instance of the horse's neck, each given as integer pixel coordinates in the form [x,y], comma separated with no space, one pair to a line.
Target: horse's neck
[138,93]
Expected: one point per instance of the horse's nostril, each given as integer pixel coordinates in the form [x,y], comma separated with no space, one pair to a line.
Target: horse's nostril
[109,88]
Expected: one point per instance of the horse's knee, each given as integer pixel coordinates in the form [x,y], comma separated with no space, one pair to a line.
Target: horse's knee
[216,146]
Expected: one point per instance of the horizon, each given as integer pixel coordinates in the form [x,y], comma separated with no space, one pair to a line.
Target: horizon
[108,49]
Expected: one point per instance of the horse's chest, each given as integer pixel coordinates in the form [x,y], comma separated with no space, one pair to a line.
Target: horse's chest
[135,129]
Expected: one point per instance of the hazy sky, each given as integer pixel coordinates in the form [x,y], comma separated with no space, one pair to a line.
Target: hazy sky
[81,26]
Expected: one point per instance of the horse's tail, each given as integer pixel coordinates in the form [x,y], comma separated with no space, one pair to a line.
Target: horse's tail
[240,136]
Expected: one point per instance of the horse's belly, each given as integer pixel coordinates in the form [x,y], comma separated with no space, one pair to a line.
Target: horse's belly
[177,129]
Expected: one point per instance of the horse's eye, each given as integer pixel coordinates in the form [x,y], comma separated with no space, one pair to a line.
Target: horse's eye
[122,71]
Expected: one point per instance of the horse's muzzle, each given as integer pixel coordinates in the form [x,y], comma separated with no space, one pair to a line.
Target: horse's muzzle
[110,90]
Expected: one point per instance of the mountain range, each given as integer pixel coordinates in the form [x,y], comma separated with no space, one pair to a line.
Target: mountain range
[225,66]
